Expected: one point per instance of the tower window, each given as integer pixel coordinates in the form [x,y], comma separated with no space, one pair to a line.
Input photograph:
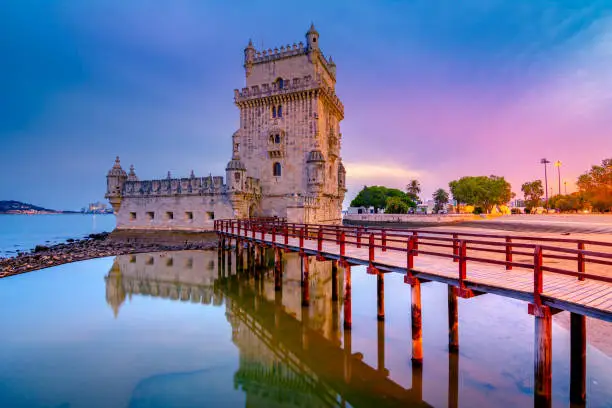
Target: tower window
[280,111]
[237,176]
[280,83]
[277,139]
[276,169]
[274,111]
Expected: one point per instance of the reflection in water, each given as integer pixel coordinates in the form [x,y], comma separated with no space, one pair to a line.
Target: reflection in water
[290,355]
[292,324]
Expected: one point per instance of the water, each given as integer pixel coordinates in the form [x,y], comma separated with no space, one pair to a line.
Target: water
[164,329]
[24,232]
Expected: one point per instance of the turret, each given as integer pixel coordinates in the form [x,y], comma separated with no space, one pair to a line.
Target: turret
[235,171]
[315,170]
[249,56]
[115,179]
[312,38]
[332,66]
[132,174]
[341,178]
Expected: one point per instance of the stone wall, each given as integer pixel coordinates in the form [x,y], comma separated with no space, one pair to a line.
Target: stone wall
[192,213]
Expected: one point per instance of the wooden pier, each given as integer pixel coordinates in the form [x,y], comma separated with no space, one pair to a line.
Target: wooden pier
[551,274]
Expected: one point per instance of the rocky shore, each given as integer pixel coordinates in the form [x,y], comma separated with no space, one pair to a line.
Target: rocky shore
[94,246]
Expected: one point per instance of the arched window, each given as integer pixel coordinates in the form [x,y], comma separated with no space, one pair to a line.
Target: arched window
[280,111]
[274,111]
[277,139]
[276,169]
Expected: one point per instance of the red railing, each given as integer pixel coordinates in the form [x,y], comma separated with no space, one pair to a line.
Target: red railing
[445,244]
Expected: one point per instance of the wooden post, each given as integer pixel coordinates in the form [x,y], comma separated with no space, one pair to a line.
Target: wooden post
[358,237]
[342,244]
[286,235]
[542,387]
[381,346]
[229,262]
[538,282]
[334,273]
[219,261]
[380,296]
[347,353]
[417,334]
[306,232]
[508,253]
[455,247]
[581,261]
[462,262]
[278,270]
[410,255]
[274,235]
[453,380]
[371,248]
[305,282]
[416,243]
[453,320]
[348,321]
[320,240]
[384,240]
[301,240]
[578,358]
[417,380]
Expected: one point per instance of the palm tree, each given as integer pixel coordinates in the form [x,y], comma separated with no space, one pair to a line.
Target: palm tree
[440,198]
[413,189]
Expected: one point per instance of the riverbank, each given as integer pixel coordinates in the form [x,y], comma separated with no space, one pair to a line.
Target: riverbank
[95,246]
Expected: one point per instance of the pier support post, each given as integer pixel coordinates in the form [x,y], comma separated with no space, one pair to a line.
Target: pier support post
[348,346]
[334,273]
[417,380]
[542,386]
[417,333]
[381,346]
[380,296]
[305,281]
[578,359]
[348,321]
[453,321]
[278,269]
[453,380]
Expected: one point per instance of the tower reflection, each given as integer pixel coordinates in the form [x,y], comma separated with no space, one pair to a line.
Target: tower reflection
[291,352]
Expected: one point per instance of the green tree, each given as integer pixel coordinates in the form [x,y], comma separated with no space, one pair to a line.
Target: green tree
[481,191]
[396,205]
[413,189]
[440,197]
[376,196]
[596,186]
[533,192]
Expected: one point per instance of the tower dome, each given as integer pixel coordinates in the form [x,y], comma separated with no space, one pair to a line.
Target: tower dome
[117,170]
[235,164]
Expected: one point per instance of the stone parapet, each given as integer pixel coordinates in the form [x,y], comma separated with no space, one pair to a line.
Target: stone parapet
[190,186]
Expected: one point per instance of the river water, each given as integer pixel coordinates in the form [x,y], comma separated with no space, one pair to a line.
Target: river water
[24,232]
[174,329]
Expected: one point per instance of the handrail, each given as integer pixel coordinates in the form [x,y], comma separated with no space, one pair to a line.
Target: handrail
[444,244]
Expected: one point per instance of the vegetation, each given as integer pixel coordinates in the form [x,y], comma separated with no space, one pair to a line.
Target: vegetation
[596,186]
[396,205]
[413,189]
[378,196]
[533,192]
[440,197]
[569,203]
[481,191]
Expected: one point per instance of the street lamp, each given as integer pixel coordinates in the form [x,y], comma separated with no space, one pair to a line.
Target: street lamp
[565,185]
[558,166]
[545,162]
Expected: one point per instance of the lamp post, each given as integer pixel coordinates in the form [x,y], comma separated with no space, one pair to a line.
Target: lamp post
[545,162]
[558,166]
[565,185]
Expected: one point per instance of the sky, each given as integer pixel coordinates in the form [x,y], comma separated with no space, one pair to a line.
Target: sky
[433,90]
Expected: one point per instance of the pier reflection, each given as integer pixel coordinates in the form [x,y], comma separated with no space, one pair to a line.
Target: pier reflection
[285,312]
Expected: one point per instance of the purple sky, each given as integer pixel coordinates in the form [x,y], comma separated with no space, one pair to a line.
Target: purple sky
[432,89]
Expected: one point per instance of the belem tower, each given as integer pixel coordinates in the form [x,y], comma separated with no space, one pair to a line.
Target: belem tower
[286,154]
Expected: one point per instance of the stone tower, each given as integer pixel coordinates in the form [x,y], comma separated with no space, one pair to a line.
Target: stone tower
[289,134]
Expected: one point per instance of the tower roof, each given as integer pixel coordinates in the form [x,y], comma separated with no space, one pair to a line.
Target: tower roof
[312,30]
[117,170]
[235,164]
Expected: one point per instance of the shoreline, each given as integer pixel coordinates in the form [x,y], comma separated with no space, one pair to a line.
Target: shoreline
[93,246]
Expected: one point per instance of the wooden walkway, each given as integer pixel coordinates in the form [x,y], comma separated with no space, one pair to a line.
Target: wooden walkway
[586,297]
